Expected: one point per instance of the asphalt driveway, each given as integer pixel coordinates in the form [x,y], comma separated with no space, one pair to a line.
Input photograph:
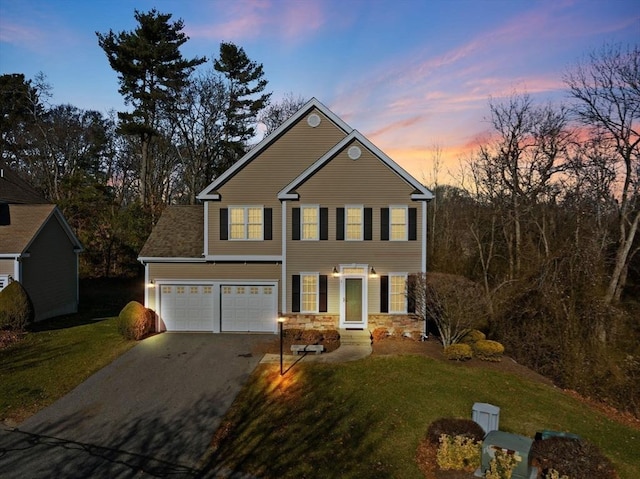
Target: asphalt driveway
[150,413]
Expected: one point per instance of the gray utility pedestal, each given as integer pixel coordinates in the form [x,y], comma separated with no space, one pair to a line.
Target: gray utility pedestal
[486,415]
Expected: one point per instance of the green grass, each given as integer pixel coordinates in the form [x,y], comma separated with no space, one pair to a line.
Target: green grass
[53,359]
[365,419]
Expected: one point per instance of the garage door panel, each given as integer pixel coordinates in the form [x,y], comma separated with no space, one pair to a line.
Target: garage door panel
[187,308]
[249,308]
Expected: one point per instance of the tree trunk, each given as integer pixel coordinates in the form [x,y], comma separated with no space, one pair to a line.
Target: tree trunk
[618,278]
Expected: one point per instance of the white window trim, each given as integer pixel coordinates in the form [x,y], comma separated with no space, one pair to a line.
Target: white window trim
[406,222]
[392,311]
[346,217]
[317,279]
[317,208]
[4,281]
[246,223]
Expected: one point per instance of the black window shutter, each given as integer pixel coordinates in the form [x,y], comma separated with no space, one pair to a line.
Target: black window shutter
[368,224]
[322,307]
[384,294]
[339,224]
[413,224]
[295,293]
[295,223]
[324,223]
[267,226]
[384,224]
[224,223]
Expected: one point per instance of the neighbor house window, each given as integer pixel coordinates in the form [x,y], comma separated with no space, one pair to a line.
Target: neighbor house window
[397,293]
[245,223]
[310,222]
[309,293]
[398,223]
[353,223]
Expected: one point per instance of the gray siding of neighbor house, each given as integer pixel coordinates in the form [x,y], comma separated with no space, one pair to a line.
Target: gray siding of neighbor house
[367,182]
[50,272]
[258,183]
[209,272]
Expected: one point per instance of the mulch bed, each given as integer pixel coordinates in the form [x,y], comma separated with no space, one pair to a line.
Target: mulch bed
[7,338]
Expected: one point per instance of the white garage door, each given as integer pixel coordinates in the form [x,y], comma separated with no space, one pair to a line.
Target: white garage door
[248,308]
[186,307]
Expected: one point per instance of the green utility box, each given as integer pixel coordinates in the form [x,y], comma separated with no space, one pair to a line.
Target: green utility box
[548,434]
[511,443]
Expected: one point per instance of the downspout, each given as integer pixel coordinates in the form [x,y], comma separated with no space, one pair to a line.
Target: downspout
[283,293]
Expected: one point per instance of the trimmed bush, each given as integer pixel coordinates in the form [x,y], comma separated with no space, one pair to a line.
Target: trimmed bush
[472,336]
[294,334]
[135,321]
[452,427]
[488,350]
[379,334]
[330,335]
[16,309]
[571,457]
[459,453]
[458,352]
[310,336]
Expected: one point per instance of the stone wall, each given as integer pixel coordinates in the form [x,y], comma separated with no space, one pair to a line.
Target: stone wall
[395,323]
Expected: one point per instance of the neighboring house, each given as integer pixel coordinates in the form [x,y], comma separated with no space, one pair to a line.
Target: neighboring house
[37,248]
[315,224]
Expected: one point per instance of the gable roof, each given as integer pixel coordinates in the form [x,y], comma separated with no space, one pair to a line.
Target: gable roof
[208,192]
[13,189]
[26,222]
[178,234]
[420,193]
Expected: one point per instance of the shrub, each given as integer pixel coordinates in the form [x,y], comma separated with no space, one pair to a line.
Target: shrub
[487,350]
[310,336]
[571,457]
[379,334]
[293,334]
[135,321]
[330,335]
[472,336]
[16,309]
[458,352]
[452,427]
[502,465]
[459,453]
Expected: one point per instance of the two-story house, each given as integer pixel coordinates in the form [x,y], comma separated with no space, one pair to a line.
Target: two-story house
[315,224]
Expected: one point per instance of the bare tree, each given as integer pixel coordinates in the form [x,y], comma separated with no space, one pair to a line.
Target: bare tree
[607,93]
[276,114]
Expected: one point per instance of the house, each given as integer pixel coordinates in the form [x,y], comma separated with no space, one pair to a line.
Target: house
[37,248]
[314,224]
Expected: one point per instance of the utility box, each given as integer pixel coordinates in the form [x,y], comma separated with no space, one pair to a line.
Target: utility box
[486,415]
[510,443]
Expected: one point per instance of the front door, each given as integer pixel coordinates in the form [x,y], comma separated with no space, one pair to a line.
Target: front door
[353,300]
[353,296]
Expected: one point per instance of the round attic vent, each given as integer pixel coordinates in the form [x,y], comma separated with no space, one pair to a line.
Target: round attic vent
[313,120]
[354,152]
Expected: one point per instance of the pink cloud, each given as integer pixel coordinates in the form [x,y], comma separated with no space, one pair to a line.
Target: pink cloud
[249,19]
[20,34]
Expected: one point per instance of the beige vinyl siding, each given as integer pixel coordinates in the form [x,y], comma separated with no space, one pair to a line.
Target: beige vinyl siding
[367,182]
[7,266]
[213,272]
[50,272]
[259,182]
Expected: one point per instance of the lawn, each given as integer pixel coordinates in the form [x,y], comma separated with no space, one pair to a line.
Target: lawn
[49,363]
[365,419]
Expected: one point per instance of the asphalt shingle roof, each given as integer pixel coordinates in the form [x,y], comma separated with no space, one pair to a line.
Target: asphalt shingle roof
[179,233]
[14,189]
[25,222]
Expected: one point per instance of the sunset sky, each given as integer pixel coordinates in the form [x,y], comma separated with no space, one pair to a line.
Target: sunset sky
[408,74]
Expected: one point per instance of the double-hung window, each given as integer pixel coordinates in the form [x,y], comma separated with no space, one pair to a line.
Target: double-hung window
[310,222]
[353,223]
[245,223]
[309,293]
[397,293]
[398,223]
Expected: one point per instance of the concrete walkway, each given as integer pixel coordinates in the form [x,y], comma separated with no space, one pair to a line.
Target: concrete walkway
[354,345]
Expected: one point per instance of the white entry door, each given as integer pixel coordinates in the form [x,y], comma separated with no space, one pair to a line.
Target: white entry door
[248,308]
[187,307]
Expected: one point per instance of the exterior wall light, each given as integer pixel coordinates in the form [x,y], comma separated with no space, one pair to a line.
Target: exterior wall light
[373,273]
[335,272]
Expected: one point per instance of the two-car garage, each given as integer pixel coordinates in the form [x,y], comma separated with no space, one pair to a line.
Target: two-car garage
[219,307]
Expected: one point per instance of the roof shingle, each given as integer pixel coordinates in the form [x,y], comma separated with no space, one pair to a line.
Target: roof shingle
[179,233]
